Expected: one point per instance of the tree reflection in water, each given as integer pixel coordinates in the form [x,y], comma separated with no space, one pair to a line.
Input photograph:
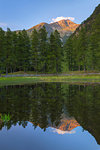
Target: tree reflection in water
[58,105]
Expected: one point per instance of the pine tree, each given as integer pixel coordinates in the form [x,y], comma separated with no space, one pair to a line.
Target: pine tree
[26,50]
[58,51]
[82,48]
[23,52]
[52,55]
[13,49]
[2,50]
[35,57]
[43,49]
[20,52]
[68,52]
[8,50]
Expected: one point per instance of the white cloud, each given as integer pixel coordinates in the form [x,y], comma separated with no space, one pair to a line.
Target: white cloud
[63,132]
[62,18]
[3,24]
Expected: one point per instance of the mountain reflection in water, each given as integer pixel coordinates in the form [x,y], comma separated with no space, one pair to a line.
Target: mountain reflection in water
[60,106]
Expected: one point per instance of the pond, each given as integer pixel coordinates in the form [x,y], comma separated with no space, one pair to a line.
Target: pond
[50,116]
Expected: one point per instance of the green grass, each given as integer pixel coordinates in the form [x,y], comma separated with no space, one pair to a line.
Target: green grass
[5,118]
[69,72]
[68,79]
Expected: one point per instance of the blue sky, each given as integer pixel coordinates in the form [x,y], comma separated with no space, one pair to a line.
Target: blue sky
[20,14]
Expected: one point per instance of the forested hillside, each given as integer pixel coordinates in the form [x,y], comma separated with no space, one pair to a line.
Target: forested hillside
[82,50]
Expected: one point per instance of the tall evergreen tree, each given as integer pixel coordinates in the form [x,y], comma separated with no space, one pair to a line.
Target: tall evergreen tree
[52,55]
[43,49]
[8,50]
[26,49]
[58,51]
[2,50]
[68,50]
[23,52]
[82,51]
[20,52]
[14,51]
[35,56]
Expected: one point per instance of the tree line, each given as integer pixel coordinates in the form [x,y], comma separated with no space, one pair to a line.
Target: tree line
[42,54]
[38,53]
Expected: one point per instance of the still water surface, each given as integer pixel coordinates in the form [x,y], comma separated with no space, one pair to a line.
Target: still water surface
[50,116]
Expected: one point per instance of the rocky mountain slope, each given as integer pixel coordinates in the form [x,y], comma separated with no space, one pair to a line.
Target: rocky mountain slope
[68,124]
[64,27]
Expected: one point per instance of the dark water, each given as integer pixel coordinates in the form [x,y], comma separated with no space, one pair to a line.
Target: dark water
[50,116]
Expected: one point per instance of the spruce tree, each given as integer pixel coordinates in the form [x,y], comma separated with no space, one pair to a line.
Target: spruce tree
[35,54]
[15,55]
[43,49]
[52,55]
[58,51]
[8,50]
[23,52]
[2,51]
[68,52]
[26,50]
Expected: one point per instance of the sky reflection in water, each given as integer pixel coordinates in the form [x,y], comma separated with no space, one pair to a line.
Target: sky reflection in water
[50,116]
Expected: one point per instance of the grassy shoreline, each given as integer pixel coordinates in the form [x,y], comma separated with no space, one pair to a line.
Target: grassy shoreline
[67,79]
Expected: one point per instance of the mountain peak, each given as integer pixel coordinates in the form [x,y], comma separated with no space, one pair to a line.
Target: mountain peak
[37,27]
[42,23]
[64,21]
[64,27]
